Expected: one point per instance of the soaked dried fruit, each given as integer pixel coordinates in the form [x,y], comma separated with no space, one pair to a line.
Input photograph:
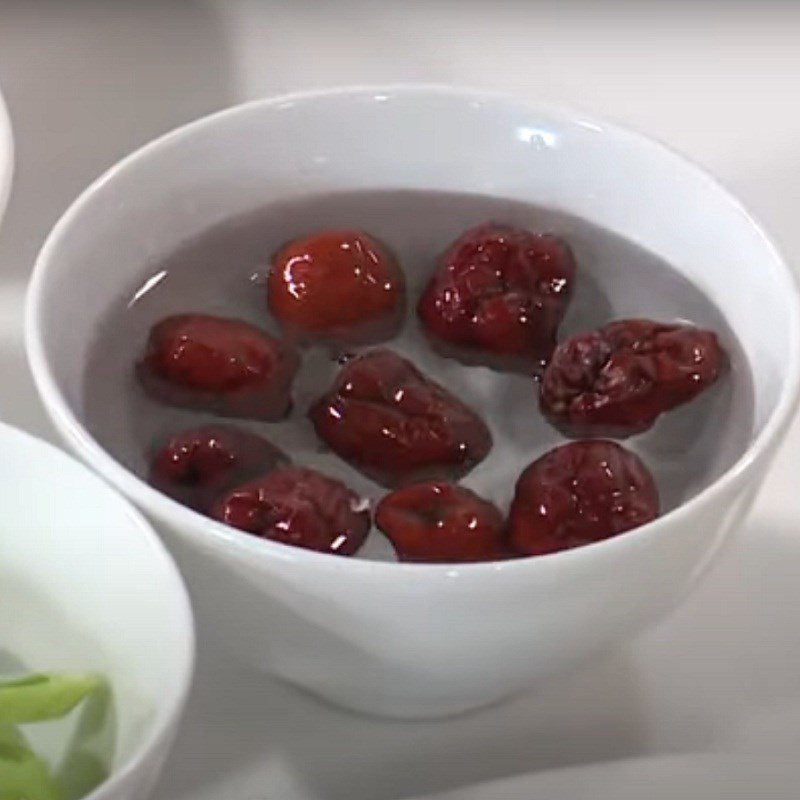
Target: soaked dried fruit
[337,284]
[617,380]
[195,466]
[396,425]
[499,295]
[225,366]
[300,507]
[580,493]
[442,522]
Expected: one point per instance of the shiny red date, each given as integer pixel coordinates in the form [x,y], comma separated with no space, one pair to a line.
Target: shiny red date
[396,425]
[195,466]
[440,522]
[339,285]
[498,296]
[225,366]
[298,507]
[617,380]
[579,493]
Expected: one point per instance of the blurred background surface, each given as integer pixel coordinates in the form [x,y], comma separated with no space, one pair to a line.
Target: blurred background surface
[709,698]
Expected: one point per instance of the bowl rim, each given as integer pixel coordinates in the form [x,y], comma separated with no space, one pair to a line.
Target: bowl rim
[6,155]
[218,536]
[169,711]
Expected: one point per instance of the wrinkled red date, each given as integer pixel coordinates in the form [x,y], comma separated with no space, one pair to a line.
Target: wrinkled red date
[299,507]
[499,295]
[195,466]
[579,493]
[337,284]
[617,380]
[225,366]
[442,522]
[396,425]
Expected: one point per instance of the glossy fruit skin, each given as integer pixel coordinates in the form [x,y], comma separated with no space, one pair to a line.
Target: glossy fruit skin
[441,522]
[197,465]
[225,366]
[337,285]
[498,296]
[617,380]
[299,507]
[387,419]
[579,493]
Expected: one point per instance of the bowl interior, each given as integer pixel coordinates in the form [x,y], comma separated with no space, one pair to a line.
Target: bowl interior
[85,585]
[422,140]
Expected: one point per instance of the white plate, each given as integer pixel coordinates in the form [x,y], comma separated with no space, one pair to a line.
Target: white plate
[707,705]
[85,584]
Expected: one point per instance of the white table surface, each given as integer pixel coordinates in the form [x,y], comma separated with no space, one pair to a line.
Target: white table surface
[708,703]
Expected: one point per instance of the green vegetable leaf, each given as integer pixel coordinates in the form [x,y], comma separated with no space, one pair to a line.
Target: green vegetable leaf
[23,776]
[91,749]
[38,697]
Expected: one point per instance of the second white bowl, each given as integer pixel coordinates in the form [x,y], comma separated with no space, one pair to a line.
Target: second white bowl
[85,585]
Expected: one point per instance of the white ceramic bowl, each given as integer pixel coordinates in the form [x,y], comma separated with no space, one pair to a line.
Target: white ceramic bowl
[420,640]
[6,156]
[85,584]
